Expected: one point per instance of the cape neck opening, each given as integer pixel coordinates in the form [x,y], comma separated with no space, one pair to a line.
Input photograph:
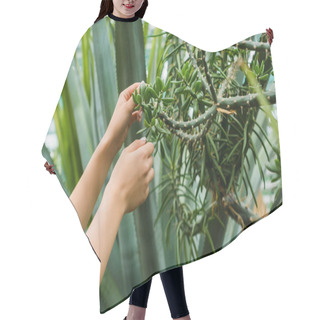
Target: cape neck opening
[113,17]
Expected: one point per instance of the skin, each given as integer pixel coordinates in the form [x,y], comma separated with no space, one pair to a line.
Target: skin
[119,10]
[126,190]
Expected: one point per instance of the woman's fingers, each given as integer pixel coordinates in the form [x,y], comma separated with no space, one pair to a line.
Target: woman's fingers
[126,100]
[135,116]
[146,149]
[150,175]
[151,161]
[126,94]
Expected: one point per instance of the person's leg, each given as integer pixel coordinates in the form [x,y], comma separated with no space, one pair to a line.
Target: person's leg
[138,302]
[172,281]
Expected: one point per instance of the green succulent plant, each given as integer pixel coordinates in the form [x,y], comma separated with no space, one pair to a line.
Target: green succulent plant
[210,119]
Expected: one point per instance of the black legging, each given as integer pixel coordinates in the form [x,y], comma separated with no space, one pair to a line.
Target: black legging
[172,281]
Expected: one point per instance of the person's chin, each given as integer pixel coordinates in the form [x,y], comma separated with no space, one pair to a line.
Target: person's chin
[127,14]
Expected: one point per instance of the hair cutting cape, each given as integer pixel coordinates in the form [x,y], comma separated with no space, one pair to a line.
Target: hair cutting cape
[212,117]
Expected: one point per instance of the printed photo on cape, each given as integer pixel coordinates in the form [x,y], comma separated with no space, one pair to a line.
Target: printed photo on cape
[212,117]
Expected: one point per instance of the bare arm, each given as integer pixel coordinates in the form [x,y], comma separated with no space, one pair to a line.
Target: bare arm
[125,191]
[86,192]
[104,227]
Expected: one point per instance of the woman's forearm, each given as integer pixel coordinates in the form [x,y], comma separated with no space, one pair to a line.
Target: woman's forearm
[104,227]
[84,196]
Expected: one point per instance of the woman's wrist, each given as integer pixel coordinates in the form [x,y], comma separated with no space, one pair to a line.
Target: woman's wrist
[112,196]
[108,146]
[104,226]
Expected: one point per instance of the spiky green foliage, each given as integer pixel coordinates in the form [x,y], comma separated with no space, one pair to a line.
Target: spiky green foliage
[202,117]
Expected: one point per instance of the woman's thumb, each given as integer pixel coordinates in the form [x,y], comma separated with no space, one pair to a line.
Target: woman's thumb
[128,94]
[136,144]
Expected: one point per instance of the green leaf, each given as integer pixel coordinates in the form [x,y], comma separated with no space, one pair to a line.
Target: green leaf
[262,143]
[188,89]
[165,200]
[250,186]
[152,93]
[253,148]
[184,69]
[171,52]
[231,178]
[177,81]
[264,77]
[234,149]
[234,119]
[219,169]
[271,168]
[196,86]
[245,136]
[188,72]
[256,68]
[208,136]
[134,98]
[265,135]
[261,67]
[167,101]
[159,85]
[167,83]
[162,130]
[162,151]
[142,130]
[194,76]
[179,73]
[179,90]
[139,99]
[206,232]
[203,165]
[147,95]
[206,102]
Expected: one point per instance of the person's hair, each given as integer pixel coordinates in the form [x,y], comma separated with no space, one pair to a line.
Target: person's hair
[106,7]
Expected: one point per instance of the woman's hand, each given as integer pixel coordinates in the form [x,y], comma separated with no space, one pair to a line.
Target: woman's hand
[123,116]
[127,188]
[130,178]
